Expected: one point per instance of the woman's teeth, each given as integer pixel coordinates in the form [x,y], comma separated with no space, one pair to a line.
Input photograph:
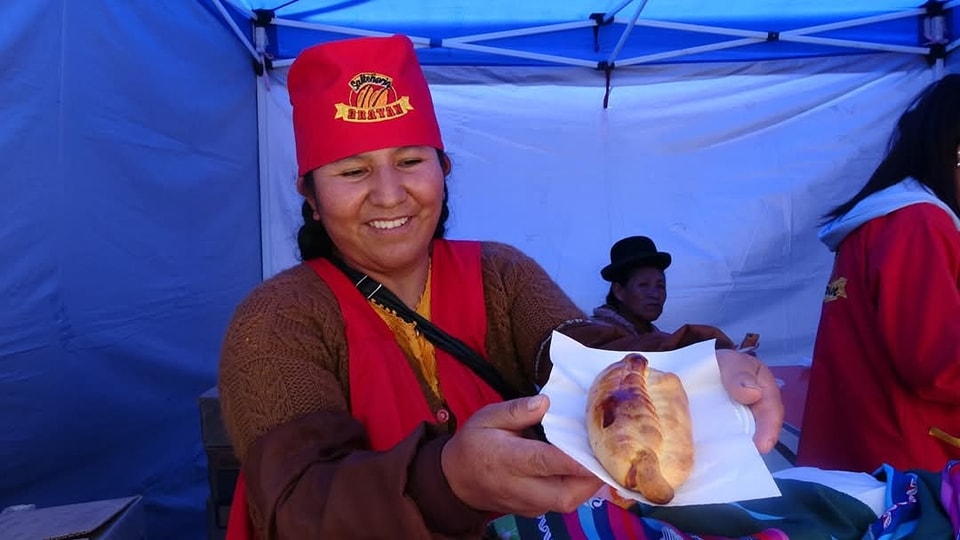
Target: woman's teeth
[384,225]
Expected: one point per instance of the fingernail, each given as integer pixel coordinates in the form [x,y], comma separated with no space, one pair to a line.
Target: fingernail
[769,445]
[534,403]
[748,384]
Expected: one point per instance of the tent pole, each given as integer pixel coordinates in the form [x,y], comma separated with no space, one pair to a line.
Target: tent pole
[626,34]
[608,17]
[263,154]
[233,26]
[934,34]
[345,30]
[519,54]
[530,31]
[882,47]
[796,35]
[852,23]
[688,51]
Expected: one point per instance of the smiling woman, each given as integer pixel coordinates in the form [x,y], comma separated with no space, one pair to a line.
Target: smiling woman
[385,387]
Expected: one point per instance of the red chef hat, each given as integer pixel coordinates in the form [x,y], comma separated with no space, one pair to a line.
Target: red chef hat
[358,95]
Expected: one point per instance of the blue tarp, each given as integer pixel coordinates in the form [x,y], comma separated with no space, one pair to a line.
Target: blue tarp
[130,231]
[131,212]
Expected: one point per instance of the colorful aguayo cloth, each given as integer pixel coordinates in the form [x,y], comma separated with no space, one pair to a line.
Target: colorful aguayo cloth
[920,505]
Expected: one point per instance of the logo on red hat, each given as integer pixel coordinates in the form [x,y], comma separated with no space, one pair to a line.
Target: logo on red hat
[373,98]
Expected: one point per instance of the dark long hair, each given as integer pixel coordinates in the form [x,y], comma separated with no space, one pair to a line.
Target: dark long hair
[923,145]
[313,239]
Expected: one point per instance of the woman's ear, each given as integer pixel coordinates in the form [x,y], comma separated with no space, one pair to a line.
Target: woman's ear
[309,195]
[617,291]
[445,164]
[302,188]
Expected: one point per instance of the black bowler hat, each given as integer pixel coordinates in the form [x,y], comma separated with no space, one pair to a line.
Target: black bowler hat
[633,252]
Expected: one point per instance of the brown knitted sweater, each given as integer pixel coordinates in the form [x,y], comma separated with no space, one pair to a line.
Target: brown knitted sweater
[284,395]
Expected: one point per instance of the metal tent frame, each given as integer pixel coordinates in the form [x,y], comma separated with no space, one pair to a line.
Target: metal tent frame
[933,15]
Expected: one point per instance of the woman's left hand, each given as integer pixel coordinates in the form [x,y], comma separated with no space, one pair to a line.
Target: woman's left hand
[750,382]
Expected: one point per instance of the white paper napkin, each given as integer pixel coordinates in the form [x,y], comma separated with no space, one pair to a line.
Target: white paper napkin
[727,466]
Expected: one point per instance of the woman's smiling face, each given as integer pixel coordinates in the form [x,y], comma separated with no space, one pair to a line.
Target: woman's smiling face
[381,207]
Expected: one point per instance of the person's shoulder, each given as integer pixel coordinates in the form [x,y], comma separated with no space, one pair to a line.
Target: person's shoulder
[297,285]
[500,251]
[920,218]
[922,210]
[291,279]
[921,226]
[508,260]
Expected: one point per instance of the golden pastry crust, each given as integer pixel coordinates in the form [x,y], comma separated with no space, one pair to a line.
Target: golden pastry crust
[639,426]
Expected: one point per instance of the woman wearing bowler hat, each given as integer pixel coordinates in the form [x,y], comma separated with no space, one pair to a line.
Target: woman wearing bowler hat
[638,290]
[350,416]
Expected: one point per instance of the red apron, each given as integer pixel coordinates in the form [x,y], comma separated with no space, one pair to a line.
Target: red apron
[384,393]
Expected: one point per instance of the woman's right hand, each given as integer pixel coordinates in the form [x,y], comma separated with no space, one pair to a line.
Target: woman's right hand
[491,467]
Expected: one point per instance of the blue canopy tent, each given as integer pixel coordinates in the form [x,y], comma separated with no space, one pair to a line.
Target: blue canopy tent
[591,33]
[148,166]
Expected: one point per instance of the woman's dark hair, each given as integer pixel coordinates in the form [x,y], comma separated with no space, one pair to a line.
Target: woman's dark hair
[922,146]
[612,299]
[313,239]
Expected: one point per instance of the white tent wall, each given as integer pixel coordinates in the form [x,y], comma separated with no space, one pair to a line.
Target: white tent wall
[727,166]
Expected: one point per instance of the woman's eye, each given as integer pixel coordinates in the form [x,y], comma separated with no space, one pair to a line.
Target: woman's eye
[352,173]
[409,162]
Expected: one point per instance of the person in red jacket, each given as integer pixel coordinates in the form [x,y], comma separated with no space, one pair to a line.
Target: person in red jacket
[885,380]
